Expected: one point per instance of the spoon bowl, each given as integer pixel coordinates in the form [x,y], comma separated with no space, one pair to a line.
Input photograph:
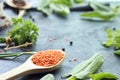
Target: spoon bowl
[11,4]
[29,67]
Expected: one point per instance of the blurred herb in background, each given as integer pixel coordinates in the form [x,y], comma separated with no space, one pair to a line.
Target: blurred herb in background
[100,12]
[61,7]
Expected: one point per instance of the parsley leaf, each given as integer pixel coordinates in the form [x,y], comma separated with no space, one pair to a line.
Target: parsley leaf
[23,31]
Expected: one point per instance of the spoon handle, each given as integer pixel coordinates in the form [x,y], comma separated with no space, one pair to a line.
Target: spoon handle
[15,73]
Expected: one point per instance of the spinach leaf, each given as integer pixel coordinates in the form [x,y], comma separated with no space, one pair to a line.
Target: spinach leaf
[103,76]
[101,12]
[61,7]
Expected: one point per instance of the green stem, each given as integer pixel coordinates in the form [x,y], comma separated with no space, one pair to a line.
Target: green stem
[15,54]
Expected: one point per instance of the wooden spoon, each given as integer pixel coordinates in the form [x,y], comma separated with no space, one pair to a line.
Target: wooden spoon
[28,68]
[22,9]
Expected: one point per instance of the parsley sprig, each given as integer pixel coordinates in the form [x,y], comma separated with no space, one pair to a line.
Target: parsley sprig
[23,33]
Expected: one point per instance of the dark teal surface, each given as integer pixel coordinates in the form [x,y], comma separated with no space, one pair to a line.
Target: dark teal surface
[86,36]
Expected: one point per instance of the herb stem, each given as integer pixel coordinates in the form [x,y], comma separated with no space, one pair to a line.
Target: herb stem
[15,54]
[19,46]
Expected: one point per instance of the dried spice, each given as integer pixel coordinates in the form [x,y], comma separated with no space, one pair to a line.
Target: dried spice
[19,2]
[47,58]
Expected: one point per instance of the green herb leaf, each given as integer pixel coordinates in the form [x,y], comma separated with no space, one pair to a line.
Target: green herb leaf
[113,38]
[117,52]
[103,76]
[110,38]
[2,40]
[101,12]
[57,6]
[48,77]
[61,7]
[23,31]
[95,15]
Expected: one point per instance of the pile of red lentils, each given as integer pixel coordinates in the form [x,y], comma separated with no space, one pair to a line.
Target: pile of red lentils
[47,58]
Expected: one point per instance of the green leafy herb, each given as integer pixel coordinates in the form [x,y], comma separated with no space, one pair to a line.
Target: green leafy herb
[48,77]
[110,37]
[117,52]
[23,33]
[82,70]
[60,7]
[113,38]
[101,12]
[103,76]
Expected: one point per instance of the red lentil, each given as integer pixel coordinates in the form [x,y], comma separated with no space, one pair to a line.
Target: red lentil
[47,58]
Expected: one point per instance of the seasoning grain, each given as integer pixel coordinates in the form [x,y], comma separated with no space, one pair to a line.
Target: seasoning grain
[47,58]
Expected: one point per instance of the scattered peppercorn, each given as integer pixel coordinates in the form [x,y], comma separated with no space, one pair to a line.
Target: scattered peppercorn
[63,49]
[33,20]
[70,60]
[114,28]
[71,43]
[30,16]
